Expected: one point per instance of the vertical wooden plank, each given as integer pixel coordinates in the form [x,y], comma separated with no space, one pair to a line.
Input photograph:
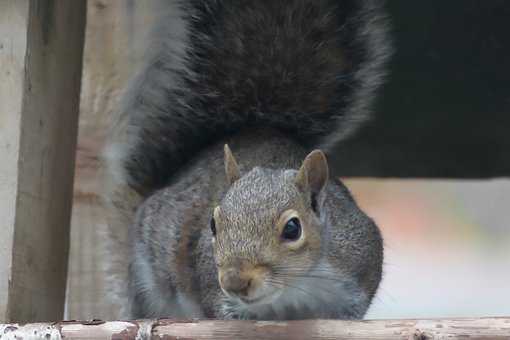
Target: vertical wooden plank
[115,42]
[40,72]
[12,52]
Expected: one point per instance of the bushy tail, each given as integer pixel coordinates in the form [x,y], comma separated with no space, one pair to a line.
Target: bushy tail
[307,67]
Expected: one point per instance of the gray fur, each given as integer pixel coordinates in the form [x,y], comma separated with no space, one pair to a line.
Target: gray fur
[274,79]
[306,67]
[336,280]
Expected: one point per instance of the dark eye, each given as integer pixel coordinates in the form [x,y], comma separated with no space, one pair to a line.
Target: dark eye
[292,230]
[213,226]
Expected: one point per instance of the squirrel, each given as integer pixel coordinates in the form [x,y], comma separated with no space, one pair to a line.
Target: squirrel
[220,198]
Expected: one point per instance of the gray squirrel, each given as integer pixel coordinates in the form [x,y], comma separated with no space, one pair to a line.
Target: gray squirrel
[221,204]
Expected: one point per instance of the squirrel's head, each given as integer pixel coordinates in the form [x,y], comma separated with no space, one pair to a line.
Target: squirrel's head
[267,229]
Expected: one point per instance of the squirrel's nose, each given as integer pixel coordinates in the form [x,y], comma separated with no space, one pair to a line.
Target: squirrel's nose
[233,283]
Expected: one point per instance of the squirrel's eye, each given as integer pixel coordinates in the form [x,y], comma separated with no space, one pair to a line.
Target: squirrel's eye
[292,230]
[213,226]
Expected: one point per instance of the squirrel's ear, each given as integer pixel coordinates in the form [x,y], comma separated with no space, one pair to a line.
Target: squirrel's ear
[231,167]
[313,174]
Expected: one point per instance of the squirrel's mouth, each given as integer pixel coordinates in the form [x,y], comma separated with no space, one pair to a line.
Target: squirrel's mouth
[253,301]
[259,300]
[257,293]
[246,300]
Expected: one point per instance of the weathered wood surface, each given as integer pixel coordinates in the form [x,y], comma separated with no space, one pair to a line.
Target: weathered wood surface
[484,328]
[114,40]
[40,71]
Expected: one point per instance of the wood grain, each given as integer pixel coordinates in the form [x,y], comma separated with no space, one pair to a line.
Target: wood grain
[114,46]
[40,69]
[480,329]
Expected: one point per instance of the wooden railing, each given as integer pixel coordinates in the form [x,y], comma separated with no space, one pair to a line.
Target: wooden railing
[468,328]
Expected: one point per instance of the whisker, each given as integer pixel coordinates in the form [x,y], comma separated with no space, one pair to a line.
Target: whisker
[286,285]
[303,290]
[309,276]
[297,270]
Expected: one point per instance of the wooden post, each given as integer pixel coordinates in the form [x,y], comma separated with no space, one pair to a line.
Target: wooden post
[480,329]
[41,46]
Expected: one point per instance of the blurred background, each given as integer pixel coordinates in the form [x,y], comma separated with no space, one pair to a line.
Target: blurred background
[430,169]
[447,246]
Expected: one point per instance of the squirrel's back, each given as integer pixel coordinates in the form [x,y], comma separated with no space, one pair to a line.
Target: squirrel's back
[306,67]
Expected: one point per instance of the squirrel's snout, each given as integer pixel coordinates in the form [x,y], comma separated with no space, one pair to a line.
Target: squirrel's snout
[235,284]
[243,281]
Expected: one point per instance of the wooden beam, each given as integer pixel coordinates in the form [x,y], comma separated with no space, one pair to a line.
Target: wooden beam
[482,328]
[41,48]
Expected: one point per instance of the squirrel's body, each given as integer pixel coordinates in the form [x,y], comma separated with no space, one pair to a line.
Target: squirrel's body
[173,272]
[261,239]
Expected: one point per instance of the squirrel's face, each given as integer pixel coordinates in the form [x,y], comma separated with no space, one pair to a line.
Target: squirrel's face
[267,230]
